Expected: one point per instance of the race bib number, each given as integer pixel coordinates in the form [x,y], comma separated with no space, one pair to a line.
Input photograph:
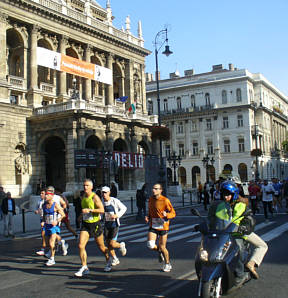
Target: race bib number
[157,223]
[87,216]
[276,193]
[49,219]
[253,197]
[108,216]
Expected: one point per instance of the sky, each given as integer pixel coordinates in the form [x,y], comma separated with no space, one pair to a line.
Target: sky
[250,34]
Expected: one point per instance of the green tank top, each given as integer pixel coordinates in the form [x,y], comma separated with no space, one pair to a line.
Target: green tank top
[87,202]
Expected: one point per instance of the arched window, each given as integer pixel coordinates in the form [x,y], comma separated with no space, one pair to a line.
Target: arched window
[193,101]
[207,99]
[179,104]
[165,103]
[150,107]
[224,96]
[238,95]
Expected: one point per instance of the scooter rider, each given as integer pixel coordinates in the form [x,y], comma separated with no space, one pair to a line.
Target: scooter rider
[235,209]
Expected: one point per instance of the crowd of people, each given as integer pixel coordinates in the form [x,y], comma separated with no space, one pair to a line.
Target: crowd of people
[272,194]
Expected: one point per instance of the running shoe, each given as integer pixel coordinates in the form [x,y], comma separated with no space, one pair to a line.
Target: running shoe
[82,271]
[108,267]
[40,252]
[65,249]
[167,267]
[123,249]
[48,254]
[115,262]
[50,262]
[160,256]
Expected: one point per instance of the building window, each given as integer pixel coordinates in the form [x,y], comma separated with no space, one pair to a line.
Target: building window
[193,126]
[224,96]
[181,150]
[251,95]
[193,101]
[226,146]
[208,124]
[225,122]
[14,99]
[238,95]
[179,104]
[240,120]
[210,147]
[207,99]
[241,145]
[165,105]
[180,128]
[195,148]
[150,107]
[167,150]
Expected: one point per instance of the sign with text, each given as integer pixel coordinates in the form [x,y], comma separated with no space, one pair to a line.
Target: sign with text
[74,66]
[98,159]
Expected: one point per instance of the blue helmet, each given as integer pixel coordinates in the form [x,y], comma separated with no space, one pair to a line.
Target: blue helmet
[231,187]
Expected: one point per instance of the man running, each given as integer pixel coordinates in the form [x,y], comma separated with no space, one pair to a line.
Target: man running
[39,211]
[114,209]
[50,222]
[92,207]
[160,211]
[60,242]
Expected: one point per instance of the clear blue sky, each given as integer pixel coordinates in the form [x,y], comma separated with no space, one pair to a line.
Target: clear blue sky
[251,34]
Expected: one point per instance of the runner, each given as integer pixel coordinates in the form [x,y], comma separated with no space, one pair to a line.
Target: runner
[60,242]
[160,211]
[92,207]
[114,209]
[39,211]
[50,223]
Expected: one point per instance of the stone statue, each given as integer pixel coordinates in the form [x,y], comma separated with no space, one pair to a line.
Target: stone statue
[20,164]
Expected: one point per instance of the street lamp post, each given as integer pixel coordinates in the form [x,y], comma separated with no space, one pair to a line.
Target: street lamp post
[167,52]
[106,159]
[175,162]
[206,163]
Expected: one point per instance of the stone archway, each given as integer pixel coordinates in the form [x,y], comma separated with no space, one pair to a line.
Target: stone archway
[196,176]
[122,175]
[55,165]
[182,176]
[95,174]
[242,171]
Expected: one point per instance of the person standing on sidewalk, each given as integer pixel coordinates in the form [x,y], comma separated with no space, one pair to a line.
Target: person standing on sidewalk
[92,207]
[160,211]
[2,197]
[8,209]
[114,210]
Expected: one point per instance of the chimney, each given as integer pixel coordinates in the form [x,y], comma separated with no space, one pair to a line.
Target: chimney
[231,66]
[189,72]
[149,77]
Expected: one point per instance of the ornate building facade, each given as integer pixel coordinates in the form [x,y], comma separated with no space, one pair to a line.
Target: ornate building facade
[225,114]
[47,115]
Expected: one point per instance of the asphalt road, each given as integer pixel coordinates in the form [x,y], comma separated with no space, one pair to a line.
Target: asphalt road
[24,274]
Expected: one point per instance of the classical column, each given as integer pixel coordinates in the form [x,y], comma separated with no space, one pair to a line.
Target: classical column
[87,81]
[109,98]
[143,89]
[129,86]
[63,89]
[3,52]
[33,58]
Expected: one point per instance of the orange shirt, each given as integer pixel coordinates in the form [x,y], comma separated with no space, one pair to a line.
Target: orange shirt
[155,212]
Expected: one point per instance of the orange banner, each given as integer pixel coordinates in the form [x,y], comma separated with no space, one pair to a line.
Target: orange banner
[77,67]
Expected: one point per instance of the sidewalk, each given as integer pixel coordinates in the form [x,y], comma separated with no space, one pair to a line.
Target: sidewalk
[28,222]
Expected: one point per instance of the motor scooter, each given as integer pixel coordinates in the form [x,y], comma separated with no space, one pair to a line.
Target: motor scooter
[218,256]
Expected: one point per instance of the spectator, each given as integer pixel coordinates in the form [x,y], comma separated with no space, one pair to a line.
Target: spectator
[285,193]
[77,206]
[254,191]
[2,197]
[200,191]
[113,190]
[141,197]
[9,210]
[267,191]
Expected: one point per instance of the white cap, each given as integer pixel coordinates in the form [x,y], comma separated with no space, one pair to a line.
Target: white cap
[105,189]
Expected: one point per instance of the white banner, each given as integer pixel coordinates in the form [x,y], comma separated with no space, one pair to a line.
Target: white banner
[74,66]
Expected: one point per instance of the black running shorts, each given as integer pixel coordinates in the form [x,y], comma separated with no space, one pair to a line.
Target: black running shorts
[158,232]
[94,228]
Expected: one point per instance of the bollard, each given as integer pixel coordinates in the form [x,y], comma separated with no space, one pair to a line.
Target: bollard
[132,205]
[183,198]
[190,197]
[23,220]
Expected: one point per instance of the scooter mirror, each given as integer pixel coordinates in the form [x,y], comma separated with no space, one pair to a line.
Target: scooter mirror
[195,212]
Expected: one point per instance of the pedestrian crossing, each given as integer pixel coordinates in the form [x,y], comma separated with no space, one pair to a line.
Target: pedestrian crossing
[137,233]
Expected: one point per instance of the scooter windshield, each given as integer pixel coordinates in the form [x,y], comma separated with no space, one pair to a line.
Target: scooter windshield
[219,216]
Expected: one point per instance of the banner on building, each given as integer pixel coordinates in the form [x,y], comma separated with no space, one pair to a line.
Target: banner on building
[73,66]
[97,159]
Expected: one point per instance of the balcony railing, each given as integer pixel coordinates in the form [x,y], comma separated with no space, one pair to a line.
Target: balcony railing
[17,82]
[48,88]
